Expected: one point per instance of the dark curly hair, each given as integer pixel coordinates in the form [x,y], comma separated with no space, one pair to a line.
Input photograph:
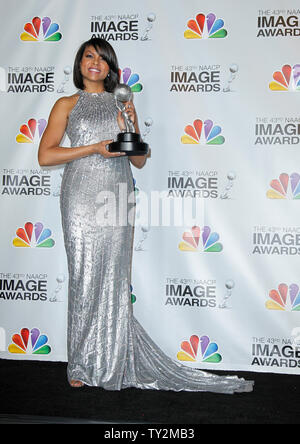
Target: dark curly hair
[107,52]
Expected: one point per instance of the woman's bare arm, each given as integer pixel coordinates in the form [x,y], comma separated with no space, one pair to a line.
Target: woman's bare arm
[50,153]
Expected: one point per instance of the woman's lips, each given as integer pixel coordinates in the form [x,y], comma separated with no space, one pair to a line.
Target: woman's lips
[94,70]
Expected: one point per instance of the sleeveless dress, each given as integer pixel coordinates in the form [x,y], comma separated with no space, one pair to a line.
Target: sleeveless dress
[107,346]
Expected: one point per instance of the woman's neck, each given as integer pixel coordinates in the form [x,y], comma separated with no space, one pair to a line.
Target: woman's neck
[93,87]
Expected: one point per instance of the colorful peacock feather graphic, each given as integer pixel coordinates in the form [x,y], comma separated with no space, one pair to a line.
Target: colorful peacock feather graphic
[29,342]
[205,27]
[130,79]
[209,241]
[288,79]
[133,296]
[284,187]
[285,298]
[202,133]
[31,131]
[33,236]
[208,350]
[41,30]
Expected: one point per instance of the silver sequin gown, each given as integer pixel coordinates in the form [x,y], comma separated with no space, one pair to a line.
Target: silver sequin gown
[107,347]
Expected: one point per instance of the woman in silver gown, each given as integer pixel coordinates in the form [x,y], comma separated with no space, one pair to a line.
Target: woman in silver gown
[107,347]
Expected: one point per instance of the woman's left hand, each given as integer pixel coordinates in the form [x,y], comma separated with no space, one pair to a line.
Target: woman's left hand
[131,112]
[137,161]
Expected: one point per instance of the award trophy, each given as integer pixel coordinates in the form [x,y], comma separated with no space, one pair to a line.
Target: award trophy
[128,142]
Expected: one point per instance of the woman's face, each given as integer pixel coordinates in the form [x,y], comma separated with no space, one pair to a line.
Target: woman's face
[93,67]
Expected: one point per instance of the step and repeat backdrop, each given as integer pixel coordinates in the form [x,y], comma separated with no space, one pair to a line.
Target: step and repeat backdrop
[217,89]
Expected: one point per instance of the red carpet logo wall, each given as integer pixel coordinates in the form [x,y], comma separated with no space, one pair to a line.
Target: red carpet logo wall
[218,105]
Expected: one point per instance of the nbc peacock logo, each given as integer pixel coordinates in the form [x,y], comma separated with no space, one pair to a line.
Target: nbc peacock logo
[33,236]
[285,187]
[287,79]
[205,27]
[41,30]
[32,131]
[133,296]
[203,133]
[199,350]
[29,342]
[198,239]
[285,298]
[131,79]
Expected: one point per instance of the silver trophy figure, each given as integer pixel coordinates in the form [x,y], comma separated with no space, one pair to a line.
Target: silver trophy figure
[233,71]
[60,279]
[148,123]
[231,176]
[229,284]
[143,238]
[123,94]
[67,72]
[128,142]
[150,18]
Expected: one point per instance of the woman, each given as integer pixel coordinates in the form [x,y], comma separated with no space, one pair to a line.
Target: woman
[107,347]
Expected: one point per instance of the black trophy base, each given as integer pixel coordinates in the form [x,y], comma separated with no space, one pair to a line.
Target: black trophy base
[130,144]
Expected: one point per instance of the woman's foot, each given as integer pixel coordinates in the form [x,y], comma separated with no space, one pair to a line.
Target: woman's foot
[76,383]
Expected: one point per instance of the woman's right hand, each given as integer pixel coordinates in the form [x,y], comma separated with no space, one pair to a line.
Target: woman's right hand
[101,148]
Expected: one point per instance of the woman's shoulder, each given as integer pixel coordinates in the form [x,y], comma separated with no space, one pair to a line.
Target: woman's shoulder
[66,104]
[67,101]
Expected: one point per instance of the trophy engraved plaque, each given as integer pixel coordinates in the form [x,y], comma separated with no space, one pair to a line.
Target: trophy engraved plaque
[128,142]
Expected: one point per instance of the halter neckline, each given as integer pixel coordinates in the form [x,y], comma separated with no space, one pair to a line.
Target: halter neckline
[81,91]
